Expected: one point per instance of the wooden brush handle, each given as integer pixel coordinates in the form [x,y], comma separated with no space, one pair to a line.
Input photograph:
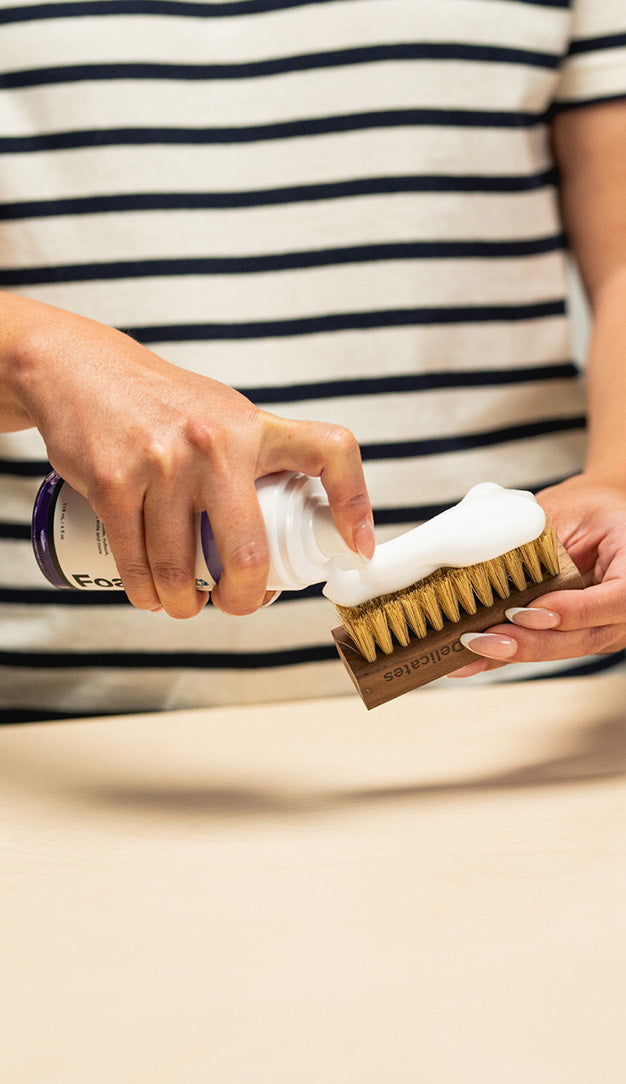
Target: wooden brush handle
[438,653]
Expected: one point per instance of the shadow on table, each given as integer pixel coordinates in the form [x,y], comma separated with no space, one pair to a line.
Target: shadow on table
[596,754]
[600,755]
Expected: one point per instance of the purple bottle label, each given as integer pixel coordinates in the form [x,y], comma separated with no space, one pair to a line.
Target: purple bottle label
[42,531]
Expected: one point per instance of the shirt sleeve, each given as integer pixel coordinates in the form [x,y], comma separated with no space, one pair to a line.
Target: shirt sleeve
[594,69]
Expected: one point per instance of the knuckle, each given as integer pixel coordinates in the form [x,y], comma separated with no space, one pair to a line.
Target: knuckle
[241,589]
[139,588]
[585,613]
[161,458]
[249,560]
[600,639]
[108,484]
[341,441]
[172,578]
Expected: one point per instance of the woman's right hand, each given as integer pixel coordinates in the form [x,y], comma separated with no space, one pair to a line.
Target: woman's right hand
[150,444]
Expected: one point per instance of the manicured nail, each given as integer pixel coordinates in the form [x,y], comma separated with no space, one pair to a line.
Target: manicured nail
[270,597]
[533,617]
[490,644]
[365,539]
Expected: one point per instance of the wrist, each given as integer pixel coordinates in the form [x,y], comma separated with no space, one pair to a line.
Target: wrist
[15,363]
[605,475]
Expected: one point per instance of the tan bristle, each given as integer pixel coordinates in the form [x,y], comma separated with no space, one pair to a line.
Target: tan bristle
[397,621]
[530,558]
[430,605]
[546,546]
[480,583]
[413,612]
[446,594]
[462,585]
[497,573]
[381,631]
[515,568]
[446,597]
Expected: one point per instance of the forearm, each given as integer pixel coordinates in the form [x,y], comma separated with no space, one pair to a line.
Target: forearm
[590,149]
[14,325]
[606,382]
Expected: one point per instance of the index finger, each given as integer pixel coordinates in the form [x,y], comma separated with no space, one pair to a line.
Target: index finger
[332,454]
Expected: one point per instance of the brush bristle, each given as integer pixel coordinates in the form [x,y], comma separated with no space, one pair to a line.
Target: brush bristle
[446,595]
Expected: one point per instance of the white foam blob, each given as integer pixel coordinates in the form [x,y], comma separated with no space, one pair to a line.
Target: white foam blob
[489,521]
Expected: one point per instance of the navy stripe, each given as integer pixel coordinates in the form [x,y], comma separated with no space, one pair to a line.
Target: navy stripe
[581,103]
[9,716]
[291,129]
[427,446]
[25,468]
[178,8]
[410,382]
[263,197]
[361,386]
[38,468]
[371,54]
[17,532]
[384,517]
[168,660]
[400,516]
[598,664]
[219,661]
[463,442]
[52,596]
[281,261]
[590,45]
[346,321]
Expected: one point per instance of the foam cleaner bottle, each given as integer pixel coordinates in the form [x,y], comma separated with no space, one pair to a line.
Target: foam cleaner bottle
[72,549]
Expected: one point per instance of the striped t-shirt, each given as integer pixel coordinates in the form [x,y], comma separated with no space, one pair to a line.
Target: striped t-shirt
[347,209]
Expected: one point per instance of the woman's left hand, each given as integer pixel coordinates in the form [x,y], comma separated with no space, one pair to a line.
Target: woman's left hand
[589,516]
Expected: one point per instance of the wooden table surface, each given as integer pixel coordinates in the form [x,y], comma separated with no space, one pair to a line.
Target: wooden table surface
[313,894]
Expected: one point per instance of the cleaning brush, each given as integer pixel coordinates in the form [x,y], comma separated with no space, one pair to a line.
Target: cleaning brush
[456,573]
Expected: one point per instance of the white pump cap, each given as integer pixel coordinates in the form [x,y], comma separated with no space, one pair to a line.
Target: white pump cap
[303,541]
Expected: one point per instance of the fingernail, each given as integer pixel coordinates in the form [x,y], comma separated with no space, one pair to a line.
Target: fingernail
[365,539]
[533,617]
[270,597]
[490,644]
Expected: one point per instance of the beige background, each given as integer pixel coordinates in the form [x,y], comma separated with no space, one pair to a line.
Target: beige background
[432,891]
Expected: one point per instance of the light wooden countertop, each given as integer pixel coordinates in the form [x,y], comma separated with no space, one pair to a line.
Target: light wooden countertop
[431,892]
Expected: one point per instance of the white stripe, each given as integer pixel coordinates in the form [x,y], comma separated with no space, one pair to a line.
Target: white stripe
[273,164]
[275,628]
[358,288]
[283,33]
[593,75]
[95,692]
[247,102]
[306,358]
[591,19]
[441,479]
[421,415]
[289,228]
